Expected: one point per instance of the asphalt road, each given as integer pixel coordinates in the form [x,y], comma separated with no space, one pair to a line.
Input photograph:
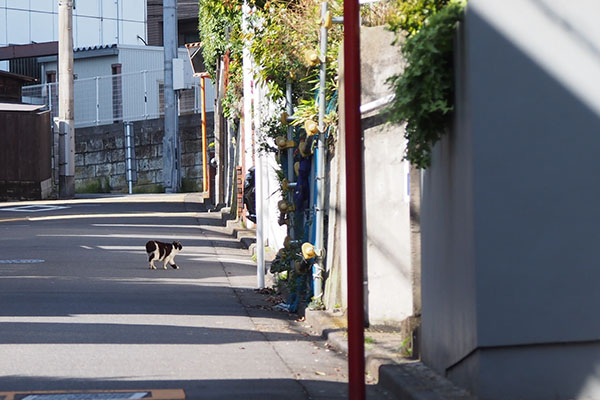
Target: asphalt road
[80,310]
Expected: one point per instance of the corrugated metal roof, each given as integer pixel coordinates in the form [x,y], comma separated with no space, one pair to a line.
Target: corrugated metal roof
[86,52]
[20,107]
[97,47]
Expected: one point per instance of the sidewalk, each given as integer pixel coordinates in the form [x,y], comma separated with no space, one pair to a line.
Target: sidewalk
[384,361]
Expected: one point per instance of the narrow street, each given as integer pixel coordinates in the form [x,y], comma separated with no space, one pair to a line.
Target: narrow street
[80,310]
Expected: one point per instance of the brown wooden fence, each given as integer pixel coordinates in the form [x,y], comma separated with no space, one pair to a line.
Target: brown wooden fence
[25,154]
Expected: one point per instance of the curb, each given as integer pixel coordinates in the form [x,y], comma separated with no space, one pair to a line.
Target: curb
[406,379]
[247,237]
[413,380]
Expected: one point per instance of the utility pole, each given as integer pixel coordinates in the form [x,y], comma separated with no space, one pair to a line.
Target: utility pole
[171,138]
[66,127]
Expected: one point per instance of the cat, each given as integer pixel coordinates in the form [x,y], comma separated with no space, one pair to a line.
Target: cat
[160,251]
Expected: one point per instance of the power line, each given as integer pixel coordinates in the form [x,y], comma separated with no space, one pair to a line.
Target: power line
[75,15]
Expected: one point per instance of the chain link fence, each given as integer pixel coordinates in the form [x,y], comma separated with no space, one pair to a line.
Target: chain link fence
[121,97]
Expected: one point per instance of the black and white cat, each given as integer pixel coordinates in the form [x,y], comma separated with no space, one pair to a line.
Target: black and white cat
[160,251]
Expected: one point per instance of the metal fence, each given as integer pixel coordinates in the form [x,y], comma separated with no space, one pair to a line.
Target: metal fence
[123,97]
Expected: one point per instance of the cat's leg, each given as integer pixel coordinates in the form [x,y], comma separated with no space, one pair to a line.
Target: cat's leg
[151,261]
[170,261]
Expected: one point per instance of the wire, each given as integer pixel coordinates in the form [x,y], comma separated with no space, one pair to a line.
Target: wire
[74,15]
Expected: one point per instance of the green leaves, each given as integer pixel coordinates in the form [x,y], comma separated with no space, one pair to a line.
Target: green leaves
[216,20]
[425,90]
[220,31]
[283,31]
[413,14]
[279,32]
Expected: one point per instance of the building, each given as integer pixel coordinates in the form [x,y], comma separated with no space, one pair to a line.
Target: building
[119,83]
[95,23]
[509,209]
[24,148]
[11,87]
[187,22]
[118,61]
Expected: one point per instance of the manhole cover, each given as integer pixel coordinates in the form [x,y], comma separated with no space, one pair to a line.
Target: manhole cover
[33,208]
[21,261]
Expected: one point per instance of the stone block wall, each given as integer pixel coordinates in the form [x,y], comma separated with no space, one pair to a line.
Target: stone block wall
[101,158]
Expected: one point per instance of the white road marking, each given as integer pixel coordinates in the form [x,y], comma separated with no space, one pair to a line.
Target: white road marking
[34,208]
[117,215]
[149,226]
[138,236]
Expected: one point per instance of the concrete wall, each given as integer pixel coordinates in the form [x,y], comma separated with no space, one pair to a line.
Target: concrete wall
[387,219]
[389,294]
[510,208]
[387,224]
[100,152]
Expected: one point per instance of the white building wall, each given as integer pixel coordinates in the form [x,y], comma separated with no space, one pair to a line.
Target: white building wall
[510,207]
[86,70]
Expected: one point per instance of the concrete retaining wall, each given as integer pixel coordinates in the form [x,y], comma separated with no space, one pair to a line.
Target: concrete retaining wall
[100,153]
[388,267]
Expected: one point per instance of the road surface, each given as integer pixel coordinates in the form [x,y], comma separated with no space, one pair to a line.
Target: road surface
[80,310]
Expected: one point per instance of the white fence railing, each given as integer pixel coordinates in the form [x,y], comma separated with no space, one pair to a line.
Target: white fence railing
[124,97]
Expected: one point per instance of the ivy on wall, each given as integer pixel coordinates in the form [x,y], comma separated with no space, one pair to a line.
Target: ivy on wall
[424,92]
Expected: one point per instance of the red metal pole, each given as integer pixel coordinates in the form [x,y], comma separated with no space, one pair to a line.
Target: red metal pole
[354,201]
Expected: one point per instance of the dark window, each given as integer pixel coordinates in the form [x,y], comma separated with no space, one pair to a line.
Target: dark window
[50,76]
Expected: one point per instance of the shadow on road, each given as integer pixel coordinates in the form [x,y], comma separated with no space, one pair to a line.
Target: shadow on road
[97,333]
[211,389]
